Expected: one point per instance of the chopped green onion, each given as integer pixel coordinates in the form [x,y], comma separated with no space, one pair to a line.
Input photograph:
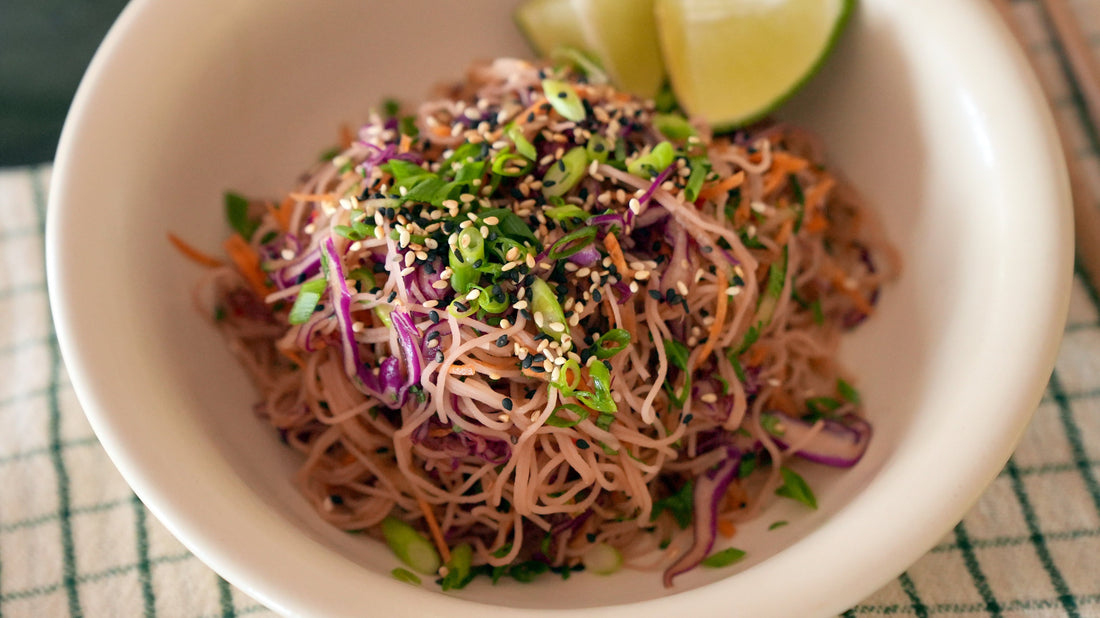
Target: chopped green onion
[747,465]
[723,558]
[383,311]
[236,212]
[572,243]
[511,164]
[795,488]
[565,173]
[469,248]
[458,568]
[402,574]
[600,400]
[493,305]
[456,308]
[777,276]
[799,199]
[410,546]
[816,311]
[564,99]
[654,162]
[604,421]
[611,343]
[569,377]
[778,524]
[528,570]
[523,146]
[330,153]
[771,424]
[602,559]
[566,212]
[674,126]
[407,126]
[847,391]
[306,303]
[556,420]
[598,148]
[544,301]
[390,107]
[700,167]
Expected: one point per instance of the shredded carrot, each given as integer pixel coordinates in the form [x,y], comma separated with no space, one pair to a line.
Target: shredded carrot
[433,526]
[757,355]
[719,319]
[816,223]
[439,432]
[247,262]
[784,234]
[726,528]
[276,212]
[781,401]
[312,197]
[347,459]
[346,137]
[783,164]
[460,370]
[441,131]
[535,108]
[725,185]
[630,320]
[292,355]
[839,280]
[816,195]
[192,253]
[406,143]
[611,243]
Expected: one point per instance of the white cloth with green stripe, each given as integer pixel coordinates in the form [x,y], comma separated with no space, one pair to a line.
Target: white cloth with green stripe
[74,541]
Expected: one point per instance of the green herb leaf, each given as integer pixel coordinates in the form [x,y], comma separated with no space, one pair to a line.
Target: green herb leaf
[680,505]
[236,212]
[306,302]
[847,391]
[402,574]
[674,126]
[700,167]
[527,571]
[723,558]
[795,488]
[677,354]
[459,568]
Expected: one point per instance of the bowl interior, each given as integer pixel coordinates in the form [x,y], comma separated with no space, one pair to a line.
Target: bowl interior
[187,100]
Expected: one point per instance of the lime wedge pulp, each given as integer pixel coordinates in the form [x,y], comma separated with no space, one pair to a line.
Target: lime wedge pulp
[623,35]
[733,61]
[549,24]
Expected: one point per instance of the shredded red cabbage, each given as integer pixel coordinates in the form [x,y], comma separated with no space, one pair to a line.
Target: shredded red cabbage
[710,488]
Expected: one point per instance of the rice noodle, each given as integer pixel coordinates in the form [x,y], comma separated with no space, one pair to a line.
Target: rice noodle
[474,426]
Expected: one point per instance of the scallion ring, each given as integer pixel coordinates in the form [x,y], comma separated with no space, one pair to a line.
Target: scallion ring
[556,420]
[564,99]
[572,242]
[565,173]
[611,343]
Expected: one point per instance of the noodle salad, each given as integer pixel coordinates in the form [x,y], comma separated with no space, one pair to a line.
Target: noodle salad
[542,325]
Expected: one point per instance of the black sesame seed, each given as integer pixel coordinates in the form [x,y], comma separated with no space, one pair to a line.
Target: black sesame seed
[582,444]
[655,295]
[526,363]
[507,403]
[708,249]
[336,499]
[596,296]
[502,341]
[434,316]
[461,307]
[392,296]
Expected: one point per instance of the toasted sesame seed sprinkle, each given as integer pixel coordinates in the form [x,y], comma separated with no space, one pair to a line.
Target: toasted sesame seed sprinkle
[682,288]
[287,254]
[557,327]
[473,294]
[408,271]
[709,398]
[540,321]
[439,285]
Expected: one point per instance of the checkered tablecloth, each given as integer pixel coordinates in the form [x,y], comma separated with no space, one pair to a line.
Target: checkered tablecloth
[74,540]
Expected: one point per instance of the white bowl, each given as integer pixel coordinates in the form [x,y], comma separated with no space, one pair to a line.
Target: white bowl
[926,105]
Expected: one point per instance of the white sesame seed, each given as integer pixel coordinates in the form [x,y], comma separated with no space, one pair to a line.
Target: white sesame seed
[641,275]
[287,254]
[774,382]
[758,206]
[584,272]
[467,198]
[709,398]
[682,288]
[410,257]
[543,344]
[557,327]
[540,321]
[473,294]
[634,287]
[431,303]
[733,290]
[408,271]
[492,221]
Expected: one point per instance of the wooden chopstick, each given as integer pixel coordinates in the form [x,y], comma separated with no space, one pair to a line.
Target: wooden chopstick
[1086,214]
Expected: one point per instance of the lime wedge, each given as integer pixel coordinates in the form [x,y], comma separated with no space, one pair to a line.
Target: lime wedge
[549,24]
[733,61]
[623,35]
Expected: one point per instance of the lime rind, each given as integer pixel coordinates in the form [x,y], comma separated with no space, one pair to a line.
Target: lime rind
[693,73]
[549,24]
